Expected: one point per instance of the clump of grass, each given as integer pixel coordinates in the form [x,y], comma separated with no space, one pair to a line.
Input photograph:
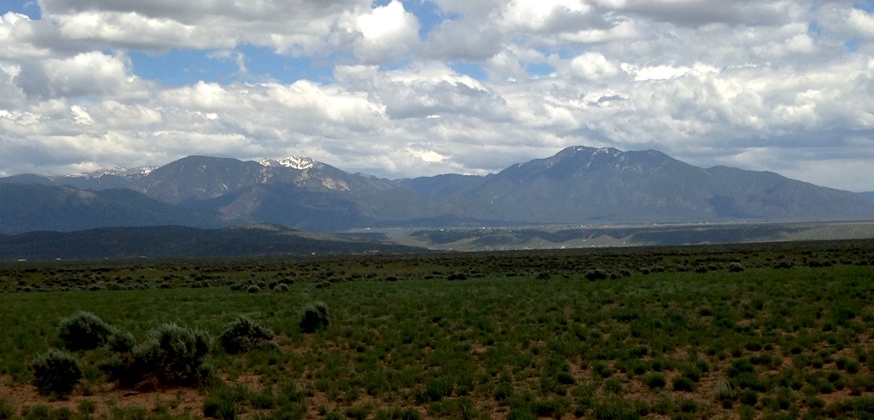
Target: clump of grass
[683,383]
[655,380]
[225,403]
[7,410]
[724,394]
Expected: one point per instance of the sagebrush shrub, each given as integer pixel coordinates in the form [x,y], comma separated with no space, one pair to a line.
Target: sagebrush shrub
[121,342]
[596,274]
[736,267]
[84,331]
[56,372]
[683,383]
[315,317]
[173,353]
[655,380]
[122,367]
[242,334]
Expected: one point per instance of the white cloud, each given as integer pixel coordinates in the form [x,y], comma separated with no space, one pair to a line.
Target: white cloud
[767,84]
[87,74]
[593,66]
[464,40]
[861,22]
[388,32]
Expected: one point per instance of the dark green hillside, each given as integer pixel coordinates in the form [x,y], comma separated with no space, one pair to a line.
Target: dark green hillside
[178,241]
[31,207]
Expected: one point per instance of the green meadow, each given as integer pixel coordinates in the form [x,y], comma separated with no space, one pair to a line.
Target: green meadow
[743,331]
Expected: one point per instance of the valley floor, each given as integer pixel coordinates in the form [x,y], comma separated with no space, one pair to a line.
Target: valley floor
[768,330]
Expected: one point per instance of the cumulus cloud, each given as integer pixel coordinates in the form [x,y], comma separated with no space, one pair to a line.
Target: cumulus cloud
[466,86]
[463,40]
[704,12]
[88,74]
[388,32]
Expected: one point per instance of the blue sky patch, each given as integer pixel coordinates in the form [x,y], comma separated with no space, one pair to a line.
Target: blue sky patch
[25,7]
[427,12]
[867,6]
[184,67]
[539,70]
[852,44]
[474,70]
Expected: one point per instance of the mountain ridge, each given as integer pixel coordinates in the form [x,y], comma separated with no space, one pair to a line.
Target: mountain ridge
[577,185]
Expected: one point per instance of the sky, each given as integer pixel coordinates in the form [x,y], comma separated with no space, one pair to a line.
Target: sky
[423,87]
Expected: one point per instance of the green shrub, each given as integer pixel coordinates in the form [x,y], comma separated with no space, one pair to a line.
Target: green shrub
[736,267]
[225,402]
[173,354]
[596,274]
[724,394]
[739,367]
[121,342]
[7,411]
[504,390]
[315,317]
[683,383]
[655,380]
[614,408]
[84,331]
[613,385]
[566,378]
[242,334]
[748,397]
[56,372]
[692,372]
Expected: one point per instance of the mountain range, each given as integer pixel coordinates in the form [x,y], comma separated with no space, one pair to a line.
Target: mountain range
[578,185]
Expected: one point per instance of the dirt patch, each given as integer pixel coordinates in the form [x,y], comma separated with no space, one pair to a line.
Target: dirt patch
[171,399]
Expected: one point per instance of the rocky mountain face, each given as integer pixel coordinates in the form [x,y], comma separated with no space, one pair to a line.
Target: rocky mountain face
[295,192]
[97,180]
[583,184]
[576,186]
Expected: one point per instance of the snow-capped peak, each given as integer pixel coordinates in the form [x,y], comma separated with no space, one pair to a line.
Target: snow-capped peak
[137,172]
[296,162]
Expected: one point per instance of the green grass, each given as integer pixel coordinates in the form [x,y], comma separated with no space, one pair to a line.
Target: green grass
[677,341]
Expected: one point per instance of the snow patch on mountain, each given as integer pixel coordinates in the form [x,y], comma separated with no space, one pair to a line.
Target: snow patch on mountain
[295,162]
[137,172]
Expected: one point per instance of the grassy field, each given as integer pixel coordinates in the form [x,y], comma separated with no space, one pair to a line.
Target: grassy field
[743,331]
